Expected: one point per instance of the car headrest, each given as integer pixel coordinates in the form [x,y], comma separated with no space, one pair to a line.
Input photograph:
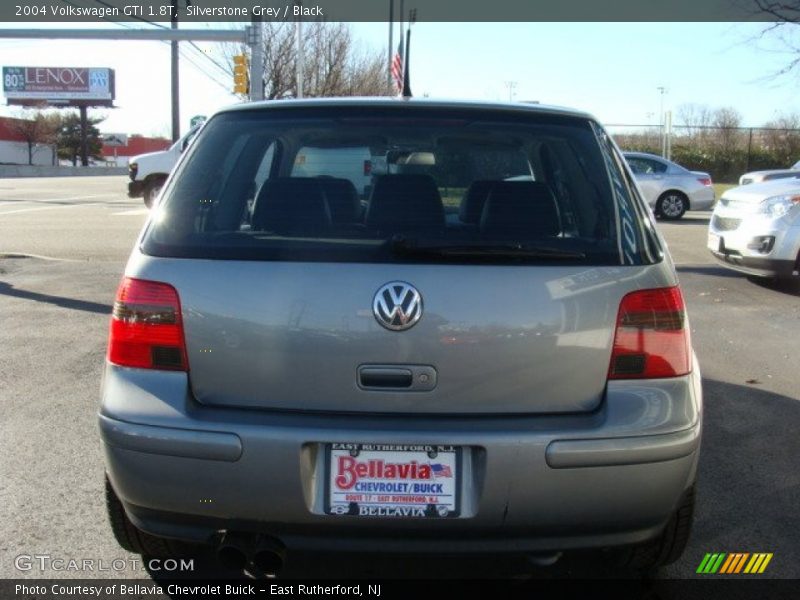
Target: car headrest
[520,208]
[473,201]
[291,204]
[409,202]
[342,199]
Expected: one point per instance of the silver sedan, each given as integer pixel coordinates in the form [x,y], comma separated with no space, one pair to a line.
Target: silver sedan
[670,189]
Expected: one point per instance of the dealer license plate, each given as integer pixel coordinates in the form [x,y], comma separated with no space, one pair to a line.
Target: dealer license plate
[393,480]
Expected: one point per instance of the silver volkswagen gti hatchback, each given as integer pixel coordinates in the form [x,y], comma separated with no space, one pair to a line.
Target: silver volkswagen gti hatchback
[401,325]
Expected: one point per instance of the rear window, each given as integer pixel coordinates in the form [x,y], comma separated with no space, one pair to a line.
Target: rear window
[392,185]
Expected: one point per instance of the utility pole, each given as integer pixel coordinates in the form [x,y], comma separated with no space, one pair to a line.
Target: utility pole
[176,109]
[299,31]
[255,41]
[391,44]
[84,135]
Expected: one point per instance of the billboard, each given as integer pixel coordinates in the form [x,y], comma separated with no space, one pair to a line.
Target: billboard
[74,86]
[115,140]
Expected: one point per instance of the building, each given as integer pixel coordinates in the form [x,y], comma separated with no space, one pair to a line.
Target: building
[14,146]
[136,145]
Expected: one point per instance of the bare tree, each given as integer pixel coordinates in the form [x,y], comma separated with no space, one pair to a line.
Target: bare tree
[35,131]
[334,64]
[782,137]
[783,16]
[727,122]
[695,119]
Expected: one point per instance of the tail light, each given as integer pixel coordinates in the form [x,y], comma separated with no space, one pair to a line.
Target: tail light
[706,181]
[146,327]
[652,337]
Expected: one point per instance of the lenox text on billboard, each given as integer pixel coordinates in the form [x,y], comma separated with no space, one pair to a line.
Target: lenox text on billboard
[79,84]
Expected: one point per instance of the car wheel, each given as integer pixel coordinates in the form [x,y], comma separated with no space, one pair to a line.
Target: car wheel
[151,190]
[133,539]
[667,547]
[672,205]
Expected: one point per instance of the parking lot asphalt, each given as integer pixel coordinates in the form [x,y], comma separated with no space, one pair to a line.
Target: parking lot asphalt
[63,246]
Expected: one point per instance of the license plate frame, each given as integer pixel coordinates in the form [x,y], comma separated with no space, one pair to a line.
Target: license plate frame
[446,455]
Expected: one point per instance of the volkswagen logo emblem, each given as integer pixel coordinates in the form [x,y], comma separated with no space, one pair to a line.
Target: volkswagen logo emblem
[397,306]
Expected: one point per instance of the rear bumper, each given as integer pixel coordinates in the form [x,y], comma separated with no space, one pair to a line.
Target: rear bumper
[608,478]
[702,199]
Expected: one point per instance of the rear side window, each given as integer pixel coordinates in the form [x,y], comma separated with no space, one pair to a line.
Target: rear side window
[391,185]
[646,166]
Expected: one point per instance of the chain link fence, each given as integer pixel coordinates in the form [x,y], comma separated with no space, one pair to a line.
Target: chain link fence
[724,152]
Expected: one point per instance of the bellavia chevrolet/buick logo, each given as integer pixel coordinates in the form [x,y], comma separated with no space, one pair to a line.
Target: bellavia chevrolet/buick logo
[397,306]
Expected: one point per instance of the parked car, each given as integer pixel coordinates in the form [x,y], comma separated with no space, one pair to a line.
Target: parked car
[769,175]
[670,189]
[513,374]
[755,229]
[149,171]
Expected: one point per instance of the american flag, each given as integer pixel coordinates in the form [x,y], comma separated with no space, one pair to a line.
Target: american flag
[440,470]
[397,67]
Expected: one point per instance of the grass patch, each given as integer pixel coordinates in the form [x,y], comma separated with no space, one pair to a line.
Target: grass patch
[721,188]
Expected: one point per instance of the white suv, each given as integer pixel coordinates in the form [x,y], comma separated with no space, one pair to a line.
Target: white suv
[755,229]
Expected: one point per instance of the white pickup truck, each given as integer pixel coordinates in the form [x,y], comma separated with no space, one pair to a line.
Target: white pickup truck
[148,172]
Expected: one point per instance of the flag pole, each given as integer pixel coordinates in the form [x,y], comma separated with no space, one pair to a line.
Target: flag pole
[402,48]
[391,44]
[407,55]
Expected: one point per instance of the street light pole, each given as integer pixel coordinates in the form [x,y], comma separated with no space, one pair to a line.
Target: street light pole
[662,122]
[511,85]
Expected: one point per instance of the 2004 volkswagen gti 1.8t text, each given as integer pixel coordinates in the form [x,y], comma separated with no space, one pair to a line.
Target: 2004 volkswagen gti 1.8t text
[401,325]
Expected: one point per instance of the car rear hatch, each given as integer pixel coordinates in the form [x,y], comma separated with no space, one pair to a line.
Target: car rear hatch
[285,308]
[299,336]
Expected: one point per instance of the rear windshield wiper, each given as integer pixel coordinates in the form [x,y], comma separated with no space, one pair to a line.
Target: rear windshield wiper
[409,247]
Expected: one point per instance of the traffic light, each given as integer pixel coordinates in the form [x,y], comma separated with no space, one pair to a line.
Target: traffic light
[241,79]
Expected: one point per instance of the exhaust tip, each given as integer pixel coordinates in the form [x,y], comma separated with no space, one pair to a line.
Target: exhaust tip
[269,556]
[232,551]
[232,557]
[268,561]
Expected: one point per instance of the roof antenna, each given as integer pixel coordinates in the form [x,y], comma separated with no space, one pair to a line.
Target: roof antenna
[412,18]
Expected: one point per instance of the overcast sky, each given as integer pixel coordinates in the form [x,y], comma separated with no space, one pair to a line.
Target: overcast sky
[612,70]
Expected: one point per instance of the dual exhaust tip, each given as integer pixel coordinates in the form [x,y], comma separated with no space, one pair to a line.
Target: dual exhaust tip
[237,550]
